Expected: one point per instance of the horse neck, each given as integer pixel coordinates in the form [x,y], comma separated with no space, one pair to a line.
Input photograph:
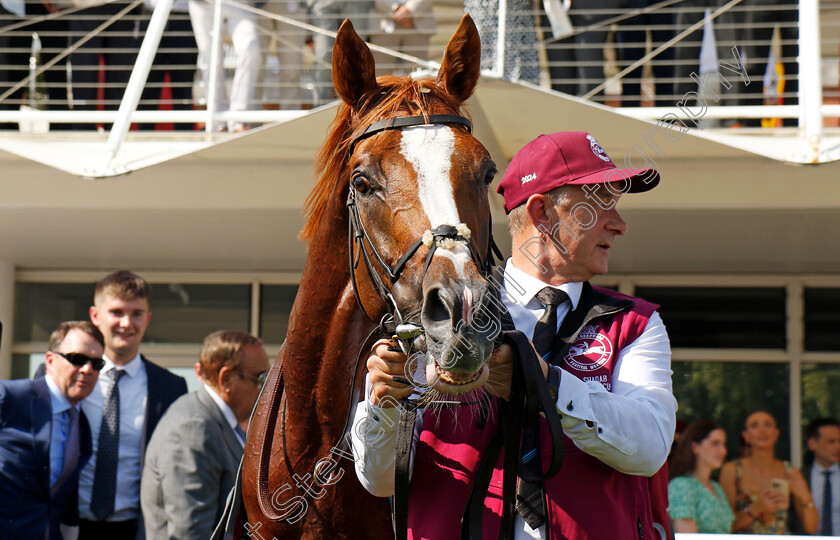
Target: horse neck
[326,332]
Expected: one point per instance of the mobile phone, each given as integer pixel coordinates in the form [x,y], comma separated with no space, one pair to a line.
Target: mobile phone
[781,485]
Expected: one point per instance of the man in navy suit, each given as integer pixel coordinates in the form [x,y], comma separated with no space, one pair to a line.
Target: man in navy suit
[130,398]
[44,437]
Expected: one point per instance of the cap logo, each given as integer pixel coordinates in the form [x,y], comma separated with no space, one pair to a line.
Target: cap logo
[527,178]
[596,148]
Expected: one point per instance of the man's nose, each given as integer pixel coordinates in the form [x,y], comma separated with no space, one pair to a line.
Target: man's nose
[615,223]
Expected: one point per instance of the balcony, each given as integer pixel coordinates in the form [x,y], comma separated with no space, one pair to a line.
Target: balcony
[102,91]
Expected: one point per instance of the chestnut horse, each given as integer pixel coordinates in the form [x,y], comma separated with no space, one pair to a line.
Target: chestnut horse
[400,171]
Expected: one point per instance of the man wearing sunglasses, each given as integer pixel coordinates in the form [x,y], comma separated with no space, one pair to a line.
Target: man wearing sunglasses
[192,459]
[45,438]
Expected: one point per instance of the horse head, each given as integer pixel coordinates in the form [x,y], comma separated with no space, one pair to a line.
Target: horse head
[417,192]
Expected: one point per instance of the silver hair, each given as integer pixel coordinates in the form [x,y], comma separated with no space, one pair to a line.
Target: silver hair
[518,217]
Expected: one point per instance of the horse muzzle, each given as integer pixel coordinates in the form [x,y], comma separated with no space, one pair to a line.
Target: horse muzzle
[461,322]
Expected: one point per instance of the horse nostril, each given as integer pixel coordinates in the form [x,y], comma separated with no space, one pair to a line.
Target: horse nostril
[434,308]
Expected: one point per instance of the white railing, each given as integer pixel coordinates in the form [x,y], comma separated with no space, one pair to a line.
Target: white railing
[688,536]
[653,75]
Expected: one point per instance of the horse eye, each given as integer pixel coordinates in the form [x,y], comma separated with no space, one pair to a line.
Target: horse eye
[489,176]
[361,184]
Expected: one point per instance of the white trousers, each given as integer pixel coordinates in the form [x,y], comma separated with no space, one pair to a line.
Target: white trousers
[284,42]
[242,27]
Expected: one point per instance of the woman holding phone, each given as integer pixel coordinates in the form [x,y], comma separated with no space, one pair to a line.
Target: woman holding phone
[697,503]
[761,488]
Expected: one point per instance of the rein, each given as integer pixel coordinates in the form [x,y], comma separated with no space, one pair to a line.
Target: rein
[530,398]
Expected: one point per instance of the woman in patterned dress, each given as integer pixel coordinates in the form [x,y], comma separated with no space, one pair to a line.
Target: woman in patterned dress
[760,487]
[697,503]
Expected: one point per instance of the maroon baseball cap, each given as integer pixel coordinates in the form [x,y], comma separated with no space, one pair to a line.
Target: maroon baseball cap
[569,157]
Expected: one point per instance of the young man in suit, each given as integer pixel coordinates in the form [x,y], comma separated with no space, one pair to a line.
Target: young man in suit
[130,398]
[192,459]
[44,440]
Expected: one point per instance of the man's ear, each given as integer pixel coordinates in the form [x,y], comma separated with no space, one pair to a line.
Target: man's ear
[224,377]
[812,444]
[94,315]
[50,358]
[537,207]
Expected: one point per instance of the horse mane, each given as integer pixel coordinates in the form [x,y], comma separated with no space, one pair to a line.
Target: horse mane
[403,95]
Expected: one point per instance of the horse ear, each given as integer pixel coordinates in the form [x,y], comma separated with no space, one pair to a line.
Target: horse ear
[353,67]
[462,61]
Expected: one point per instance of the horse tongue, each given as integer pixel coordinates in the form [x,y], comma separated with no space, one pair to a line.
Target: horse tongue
[467,306]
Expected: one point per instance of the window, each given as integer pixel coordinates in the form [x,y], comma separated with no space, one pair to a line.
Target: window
[722,317]
[275,306]
[819,391]
[24,365]
[186,313]
[822,319]
[40,307]
[728,392]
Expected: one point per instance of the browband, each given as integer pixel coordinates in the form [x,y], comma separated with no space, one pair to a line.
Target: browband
[401,122]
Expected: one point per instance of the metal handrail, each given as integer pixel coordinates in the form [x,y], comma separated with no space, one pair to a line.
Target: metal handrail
[809,88]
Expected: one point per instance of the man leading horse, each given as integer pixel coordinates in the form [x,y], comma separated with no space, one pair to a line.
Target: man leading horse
[605,355]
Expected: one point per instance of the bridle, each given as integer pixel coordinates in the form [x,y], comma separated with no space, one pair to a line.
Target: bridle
[357,235]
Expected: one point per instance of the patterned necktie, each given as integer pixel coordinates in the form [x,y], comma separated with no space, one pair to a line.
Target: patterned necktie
[71,449]
[105,472]
[825,518]
[546,330]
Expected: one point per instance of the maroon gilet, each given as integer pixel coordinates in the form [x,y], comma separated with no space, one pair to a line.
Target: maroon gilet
[586,500]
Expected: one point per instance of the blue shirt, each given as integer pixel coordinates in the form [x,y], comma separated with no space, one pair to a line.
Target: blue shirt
[60,425]
[134,390]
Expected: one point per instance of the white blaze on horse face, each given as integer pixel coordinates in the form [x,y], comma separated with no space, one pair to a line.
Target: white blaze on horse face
[429,150]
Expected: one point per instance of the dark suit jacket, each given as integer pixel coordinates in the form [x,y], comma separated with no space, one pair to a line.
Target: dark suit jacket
[26,505]
[190,467]
[164,388]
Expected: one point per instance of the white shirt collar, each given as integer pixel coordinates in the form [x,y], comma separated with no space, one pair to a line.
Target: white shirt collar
[131,368]
[227,412]
[835,467]
[526,286]
[58,400]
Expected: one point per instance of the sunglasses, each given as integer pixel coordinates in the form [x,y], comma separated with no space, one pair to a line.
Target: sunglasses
[79,360]
[257,379]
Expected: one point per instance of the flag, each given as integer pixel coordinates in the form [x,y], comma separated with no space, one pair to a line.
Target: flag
[774,85]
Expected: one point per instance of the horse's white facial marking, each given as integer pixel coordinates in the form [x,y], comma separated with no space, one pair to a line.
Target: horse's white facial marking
[429,150]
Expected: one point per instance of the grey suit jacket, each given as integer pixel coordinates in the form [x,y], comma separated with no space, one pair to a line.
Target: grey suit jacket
[190,467]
